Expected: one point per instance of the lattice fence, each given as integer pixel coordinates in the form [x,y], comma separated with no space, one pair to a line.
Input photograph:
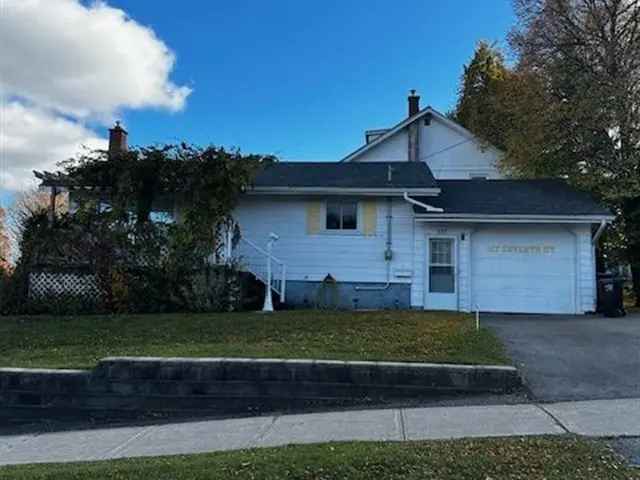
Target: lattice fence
[48,284]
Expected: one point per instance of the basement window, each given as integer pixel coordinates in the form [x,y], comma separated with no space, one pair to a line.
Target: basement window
[342,215]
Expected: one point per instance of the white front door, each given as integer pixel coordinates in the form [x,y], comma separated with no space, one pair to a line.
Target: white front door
[441,273]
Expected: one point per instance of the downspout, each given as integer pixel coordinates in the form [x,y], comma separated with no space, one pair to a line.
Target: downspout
[599,232]
[428,208]
[594,242]
[388,253]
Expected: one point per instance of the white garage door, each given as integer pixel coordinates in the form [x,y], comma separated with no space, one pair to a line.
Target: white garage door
[523,270]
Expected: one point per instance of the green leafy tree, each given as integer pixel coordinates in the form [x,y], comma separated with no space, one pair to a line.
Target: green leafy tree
[570,106]
[479,107]
[585,58]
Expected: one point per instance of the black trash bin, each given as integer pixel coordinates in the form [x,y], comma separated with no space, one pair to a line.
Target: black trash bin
[611,295]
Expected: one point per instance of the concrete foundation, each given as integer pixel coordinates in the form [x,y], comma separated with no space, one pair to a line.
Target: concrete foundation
[348,295]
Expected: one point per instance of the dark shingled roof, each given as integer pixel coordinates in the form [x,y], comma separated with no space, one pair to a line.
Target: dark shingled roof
[346,175]
[512,197]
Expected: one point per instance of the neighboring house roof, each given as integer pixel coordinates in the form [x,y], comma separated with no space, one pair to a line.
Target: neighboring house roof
[333,175]
[512,197]
[405,123]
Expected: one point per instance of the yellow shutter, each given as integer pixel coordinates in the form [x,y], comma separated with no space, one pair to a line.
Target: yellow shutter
[313,217]
[369,216]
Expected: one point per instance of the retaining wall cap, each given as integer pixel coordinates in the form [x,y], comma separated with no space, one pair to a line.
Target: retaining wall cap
[48,371]
[419,365]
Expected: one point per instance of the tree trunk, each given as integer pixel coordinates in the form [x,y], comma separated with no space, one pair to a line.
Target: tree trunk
[600,266]
[631,214]
[635,275]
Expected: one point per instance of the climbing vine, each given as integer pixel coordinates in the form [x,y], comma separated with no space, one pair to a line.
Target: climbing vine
[147,221]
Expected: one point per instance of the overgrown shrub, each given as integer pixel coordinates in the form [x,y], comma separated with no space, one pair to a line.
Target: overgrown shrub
[141,265]
[62,304]
[13,291]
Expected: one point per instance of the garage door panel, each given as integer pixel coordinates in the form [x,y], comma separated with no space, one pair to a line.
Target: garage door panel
[516,271]
[514,267]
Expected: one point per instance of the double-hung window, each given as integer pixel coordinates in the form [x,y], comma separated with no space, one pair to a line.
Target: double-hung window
[342,215]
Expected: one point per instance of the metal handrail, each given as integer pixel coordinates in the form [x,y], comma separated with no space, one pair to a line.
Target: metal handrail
[277,284]
[261,250]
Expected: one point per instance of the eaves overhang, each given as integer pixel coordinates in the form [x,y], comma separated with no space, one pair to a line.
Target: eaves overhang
[387,192]
[479,218]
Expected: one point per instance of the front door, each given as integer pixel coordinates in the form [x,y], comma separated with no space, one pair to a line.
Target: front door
[441,273]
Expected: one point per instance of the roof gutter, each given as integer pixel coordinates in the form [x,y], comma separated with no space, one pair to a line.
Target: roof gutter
[492,218]
[386,192]
[415,202]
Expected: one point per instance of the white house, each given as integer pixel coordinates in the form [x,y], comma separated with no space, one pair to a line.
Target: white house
[420,217]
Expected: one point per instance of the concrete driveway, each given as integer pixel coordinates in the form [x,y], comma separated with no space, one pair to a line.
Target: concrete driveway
[573,357]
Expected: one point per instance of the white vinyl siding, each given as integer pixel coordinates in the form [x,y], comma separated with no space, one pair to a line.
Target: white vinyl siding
[311,256]
[449,153]
[561,283]
[586,269]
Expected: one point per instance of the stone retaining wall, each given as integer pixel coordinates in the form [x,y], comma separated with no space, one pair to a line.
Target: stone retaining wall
[222,386]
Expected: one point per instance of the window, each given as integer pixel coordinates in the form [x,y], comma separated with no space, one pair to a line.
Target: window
[342,216]
[441,265]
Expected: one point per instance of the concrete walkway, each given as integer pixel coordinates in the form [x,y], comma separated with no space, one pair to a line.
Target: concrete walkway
[600,418]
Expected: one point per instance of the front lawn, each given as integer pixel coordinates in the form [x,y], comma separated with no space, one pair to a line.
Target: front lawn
[482,459]
[79,342]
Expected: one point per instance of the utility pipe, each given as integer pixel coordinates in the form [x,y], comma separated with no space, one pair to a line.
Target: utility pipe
[387,254]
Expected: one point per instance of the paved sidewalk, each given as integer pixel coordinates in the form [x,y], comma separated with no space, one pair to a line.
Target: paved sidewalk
[602,418]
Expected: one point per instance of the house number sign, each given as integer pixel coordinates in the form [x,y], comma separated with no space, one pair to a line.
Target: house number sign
[523,249]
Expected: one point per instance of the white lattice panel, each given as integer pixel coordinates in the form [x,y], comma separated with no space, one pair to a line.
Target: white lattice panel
[46,284]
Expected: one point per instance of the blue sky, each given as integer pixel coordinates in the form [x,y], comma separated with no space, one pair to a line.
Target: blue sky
[300,79]
[303,79]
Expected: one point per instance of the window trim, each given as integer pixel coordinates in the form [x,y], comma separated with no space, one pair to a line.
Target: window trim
[358,231]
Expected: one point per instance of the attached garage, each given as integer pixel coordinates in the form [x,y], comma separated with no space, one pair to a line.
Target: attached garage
[519,269]
[518,246]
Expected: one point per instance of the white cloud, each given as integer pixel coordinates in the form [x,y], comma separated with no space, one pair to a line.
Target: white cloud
[34,139]
[65,63]
[83,60]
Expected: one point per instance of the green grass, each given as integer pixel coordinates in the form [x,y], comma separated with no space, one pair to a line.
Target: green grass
[496,459]
[79,342]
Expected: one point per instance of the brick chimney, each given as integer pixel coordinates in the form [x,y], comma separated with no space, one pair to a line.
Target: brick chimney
[413,151]
[414,103]
[117,140]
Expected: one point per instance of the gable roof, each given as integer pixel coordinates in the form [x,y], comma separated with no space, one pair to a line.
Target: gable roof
[405,123]
[512,197]
[346,176]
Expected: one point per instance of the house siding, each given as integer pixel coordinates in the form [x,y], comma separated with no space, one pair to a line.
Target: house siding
[449,153]
[586,269]
[348,258]
[393,149]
